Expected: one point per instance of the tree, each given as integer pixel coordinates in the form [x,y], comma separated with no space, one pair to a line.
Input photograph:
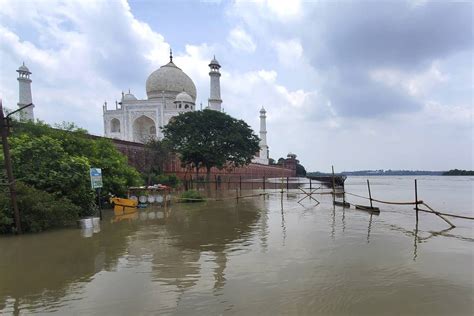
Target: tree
[211,139]
[159,153]
[300,170]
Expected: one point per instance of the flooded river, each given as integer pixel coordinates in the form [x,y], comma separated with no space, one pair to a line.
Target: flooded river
[255,256]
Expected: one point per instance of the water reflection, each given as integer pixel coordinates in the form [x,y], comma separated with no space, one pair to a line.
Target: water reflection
[257,254]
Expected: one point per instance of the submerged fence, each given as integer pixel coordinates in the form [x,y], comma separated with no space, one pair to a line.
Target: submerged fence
[309,189]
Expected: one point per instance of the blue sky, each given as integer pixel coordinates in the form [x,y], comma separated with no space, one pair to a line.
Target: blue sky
[358,85]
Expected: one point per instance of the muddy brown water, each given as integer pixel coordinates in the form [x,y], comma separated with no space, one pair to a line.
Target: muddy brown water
[254,257]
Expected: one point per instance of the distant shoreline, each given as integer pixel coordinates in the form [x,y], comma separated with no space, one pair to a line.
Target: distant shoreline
[381,173]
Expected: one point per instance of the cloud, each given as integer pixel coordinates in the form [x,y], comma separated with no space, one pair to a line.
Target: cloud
[239,39]
[289,51]
[80,54]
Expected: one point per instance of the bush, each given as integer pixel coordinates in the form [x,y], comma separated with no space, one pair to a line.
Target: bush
[39,210]
[191,196]
[166,179]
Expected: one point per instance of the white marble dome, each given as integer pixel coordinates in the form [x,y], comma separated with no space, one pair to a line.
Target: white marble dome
[184,97]
[129,97]
[169,78]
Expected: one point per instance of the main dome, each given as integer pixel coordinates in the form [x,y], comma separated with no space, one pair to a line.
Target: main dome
[169,78]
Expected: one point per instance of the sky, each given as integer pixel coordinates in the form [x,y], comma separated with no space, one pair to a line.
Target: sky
[354,84]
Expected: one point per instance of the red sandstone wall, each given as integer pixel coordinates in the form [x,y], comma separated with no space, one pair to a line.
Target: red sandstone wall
[138,158]
[251,171]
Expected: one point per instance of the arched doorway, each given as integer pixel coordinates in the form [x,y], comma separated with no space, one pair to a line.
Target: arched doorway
[115,126]
[144,129]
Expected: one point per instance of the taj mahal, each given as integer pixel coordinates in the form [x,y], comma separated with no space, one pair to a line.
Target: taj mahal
[170,91]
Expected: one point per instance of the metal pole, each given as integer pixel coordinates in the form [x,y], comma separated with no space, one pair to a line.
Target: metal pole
[99,203]
[240,183]
[310,185]
[8,168]
[263,183]
[370,195]
[287,184]
[333,186]
[416,202]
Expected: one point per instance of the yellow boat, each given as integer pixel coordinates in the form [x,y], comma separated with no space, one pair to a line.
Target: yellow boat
[124,206]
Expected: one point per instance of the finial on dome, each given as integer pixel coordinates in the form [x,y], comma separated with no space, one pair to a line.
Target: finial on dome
[171,55]
[128,90]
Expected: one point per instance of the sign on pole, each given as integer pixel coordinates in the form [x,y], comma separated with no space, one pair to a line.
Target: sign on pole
[96,178]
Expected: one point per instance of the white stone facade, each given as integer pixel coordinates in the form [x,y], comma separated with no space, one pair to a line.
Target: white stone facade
[263,155]
[24,91]
[170,92]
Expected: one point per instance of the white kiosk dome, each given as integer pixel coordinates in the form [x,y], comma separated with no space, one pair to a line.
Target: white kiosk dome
[184,97]
[169,78]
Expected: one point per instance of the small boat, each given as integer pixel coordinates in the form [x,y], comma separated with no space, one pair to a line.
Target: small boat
[343,204]
[124,206]
[327,179]
[372,209]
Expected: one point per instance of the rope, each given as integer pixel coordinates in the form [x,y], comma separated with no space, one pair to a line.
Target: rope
[445,214]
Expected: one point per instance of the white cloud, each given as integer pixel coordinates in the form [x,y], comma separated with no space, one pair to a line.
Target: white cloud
[81,53]
[289,51]
[241,40]
[416,84]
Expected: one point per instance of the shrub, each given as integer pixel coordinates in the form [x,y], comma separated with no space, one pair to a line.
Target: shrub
[39,210]
[191,196]
[166,179]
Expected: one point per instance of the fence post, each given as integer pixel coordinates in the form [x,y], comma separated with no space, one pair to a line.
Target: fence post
[370,195]
[416,202]
[333,187]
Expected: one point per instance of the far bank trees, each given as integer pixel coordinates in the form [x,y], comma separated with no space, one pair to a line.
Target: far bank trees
[206,139]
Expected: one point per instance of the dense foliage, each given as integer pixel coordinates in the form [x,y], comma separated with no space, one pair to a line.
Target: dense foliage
[54,164]
[300,170]
[191,196]
[211,139]
[39,210]
[457,172]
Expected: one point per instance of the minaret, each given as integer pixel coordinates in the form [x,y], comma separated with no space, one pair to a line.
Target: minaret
[25,93]
[263,137]
[215,97]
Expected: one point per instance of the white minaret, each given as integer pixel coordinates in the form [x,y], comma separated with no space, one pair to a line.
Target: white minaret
[25,98]
[215,100]
[263,138]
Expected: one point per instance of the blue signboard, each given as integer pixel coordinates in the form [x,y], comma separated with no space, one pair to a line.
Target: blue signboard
[96,178]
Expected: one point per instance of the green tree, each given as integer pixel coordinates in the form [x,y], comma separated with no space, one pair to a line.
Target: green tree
[300,170]
[101,153]
[211,139]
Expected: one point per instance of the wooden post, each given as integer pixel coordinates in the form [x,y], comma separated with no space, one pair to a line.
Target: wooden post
[9,170]
[237,194]
[416,203]
[240,183]
[370,195]
[333,186]
[263,183]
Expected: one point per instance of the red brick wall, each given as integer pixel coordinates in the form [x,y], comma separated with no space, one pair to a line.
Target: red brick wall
[138,158]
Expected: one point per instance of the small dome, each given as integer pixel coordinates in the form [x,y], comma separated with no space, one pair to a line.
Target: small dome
[263,110]
[184,97]
[129,97]
[214,62]
[169,78]
[23,68]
